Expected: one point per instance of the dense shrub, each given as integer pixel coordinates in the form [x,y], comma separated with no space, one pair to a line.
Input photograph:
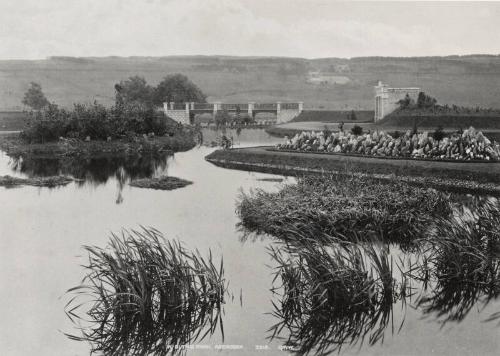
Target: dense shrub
[96,122]
[357,130]
[438,134]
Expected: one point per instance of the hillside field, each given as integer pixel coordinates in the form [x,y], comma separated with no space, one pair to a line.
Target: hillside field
[462,80]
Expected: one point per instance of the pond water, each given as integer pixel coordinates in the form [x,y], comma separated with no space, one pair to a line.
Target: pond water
[42,232]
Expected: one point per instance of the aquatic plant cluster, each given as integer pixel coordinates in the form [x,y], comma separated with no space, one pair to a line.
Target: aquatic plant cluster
[334,295]
[160,183]
[460,264]
[343,293]
[145,293]
[466,146]
[344,207]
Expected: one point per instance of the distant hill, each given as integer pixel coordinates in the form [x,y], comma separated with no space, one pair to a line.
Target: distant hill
[462,80]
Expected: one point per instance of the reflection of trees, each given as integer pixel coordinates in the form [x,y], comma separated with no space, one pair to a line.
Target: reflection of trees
[96,170]
[335,296]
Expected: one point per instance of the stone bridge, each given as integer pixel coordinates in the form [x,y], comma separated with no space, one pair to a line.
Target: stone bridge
[185,112]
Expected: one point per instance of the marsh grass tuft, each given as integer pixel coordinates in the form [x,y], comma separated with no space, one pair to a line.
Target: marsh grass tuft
[336,295]
[143,293]
[461,267]
[345,207]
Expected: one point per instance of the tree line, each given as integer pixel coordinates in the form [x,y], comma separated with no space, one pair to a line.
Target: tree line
[428,105]
[134,90]
[135,111]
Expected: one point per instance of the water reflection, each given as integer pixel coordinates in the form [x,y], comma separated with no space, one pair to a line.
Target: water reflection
[95,171]
[146,295]
[460,267]
[333,295]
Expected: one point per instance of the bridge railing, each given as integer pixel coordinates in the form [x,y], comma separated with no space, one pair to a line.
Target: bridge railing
[179,106]
[265,106]
[234,107]
[289,106]
[203,106]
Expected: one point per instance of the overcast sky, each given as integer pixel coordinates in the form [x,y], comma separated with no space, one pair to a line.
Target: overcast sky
[300,28]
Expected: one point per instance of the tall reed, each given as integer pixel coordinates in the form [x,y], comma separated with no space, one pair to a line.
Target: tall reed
[334,296]
[462,264]
[143,293]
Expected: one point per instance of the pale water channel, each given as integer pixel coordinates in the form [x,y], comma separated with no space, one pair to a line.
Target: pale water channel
[42,231]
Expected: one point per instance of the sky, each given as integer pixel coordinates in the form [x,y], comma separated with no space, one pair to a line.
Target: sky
[36,29]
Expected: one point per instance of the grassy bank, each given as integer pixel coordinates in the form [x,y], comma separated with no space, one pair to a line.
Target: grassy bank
[481,178]
[335,116]
[12,120]
[456,121]
[13,145]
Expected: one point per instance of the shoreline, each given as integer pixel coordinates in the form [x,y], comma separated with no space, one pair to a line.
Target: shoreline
[13,145]
[478,178]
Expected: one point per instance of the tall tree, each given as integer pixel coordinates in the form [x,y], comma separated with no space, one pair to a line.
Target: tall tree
[425,101]
[178,88]
[134,90]
[407,102]
[34,97]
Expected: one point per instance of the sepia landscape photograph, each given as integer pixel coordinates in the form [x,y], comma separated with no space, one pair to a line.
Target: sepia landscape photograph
[249,177]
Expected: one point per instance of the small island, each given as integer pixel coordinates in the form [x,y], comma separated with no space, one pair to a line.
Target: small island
[135,124]
[161,183]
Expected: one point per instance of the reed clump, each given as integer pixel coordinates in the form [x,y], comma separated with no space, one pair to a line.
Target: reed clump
[143,293]
[461,267]
[334,296]
[345,207]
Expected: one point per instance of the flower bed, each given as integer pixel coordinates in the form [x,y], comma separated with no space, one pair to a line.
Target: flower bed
[471,145]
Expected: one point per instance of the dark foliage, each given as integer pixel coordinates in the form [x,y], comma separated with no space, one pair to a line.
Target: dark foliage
[134,90]
[425,101]
[439,134]
[357,130]
[96,122]
[177,88]
[34,97]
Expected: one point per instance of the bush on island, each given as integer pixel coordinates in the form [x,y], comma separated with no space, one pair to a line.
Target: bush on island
[95,121]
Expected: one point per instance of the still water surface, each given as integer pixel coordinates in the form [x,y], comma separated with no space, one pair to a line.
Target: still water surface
[42,231]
